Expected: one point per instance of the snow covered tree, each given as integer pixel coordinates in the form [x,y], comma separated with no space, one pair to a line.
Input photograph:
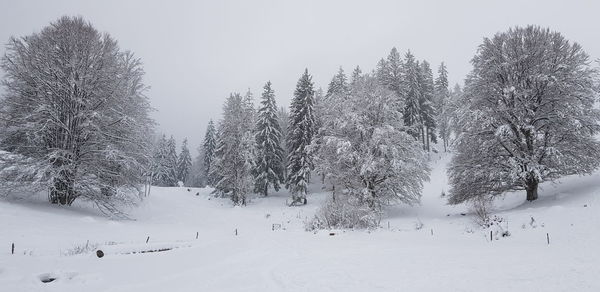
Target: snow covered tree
[268,169]
[338,84]
[530,115]
[74,116]
[300,134]
[390,72]
[426,106]
[441,100]
[171,162]
[184,162]
[160,172]
[412,96]
[284,120]
[208,151]
[233,158]
[366,151]
[356,75]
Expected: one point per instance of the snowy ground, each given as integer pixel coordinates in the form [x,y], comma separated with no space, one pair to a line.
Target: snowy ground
[448,253]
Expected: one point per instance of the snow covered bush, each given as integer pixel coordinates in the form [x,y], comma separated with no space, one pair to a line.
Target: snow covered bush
[344,212]
[528,115]
[74,116]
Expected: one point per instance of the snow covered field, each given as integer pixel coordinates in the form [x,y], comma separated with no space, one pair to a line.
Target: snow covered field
[272,252]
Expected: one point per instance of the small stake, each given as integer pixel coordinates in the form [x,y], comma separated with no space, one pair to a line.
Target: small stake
[196,234]
[147,239]
[431,231]
[491,238]
[388,225]
[548,238]
[236,231]
[13,248]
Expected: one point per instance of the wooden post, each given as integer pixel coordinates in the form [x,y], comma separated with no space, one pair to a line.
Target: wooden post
[431,231]
[236,231]
[196,234]
[491,236]
[147,239]
[548,238]
[13,248]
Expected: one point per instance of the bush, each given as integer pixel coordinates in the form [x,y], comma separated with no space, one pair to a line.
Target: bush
[343,213]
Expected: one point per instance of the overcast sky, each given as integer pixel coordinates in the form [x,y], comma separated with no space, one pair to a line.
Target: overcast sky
[196,52]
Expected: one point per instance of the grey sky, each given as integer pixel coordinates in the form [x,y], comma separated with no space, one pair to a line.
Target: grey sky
[197,52]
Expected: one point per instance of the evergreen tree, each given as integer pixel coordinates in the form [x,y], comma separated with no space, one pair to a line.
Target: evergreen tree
[391,74]
[184,164]
[284,121]
[412,111]
[426,106]
[160,172]
[356,75]
[208,150]
[441,99]
[171,162]
[300,134]
[528,116]
[338,84]
[268,169]
[233,156]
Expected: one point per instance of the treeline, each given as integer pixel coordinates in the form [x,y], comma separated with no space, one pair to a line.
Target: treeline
[74,122]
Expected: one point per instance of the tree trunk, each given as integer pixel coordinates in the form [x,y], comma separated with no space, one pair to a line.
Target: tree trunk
[532,190]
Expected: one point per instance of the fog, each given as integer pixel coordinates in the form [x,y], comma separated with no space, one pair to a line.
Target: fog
[196,53]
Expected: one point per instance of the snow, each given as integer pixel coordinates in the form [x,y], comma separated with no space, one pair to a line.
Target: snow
[448,252]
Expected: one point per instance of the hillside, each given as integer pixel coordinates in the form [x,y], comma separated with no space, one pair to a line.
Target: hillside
[432,247]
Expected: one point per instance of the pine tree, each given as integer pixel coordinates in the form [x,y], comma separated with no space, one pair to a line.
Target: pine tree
[441,99]
[268,169]
[528,116]
[300,134]
[208,150]
[184,164]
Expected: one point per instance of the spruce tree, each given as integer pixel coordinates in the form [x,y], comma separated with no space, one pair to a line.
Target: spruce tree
[268,169]
[426,107]
[233,157]
[160,172]
[184,163]
[301,130]
[412,111]
[171,163]
[338,84]
[441,98]
[356,75]
[208,151]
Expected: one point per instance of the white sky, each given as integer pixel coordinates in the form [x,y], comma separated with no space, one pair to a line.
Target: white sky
[196,52]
